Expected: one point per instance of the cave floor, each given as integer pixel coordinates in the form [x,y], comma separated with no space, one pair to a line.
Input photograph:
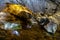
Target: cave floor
[35,33]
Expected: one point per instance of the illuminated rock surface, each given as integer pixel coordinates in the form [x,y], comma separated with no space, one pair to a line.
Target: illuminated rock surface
[36,33]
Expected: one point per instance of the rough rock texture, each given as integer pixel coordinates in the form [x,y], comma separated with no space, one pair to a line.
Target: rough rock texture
[35,5]
[47,8]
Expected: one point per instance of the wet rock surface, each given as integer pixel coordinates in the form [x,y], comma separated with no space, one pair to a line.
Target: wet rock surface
[35,33]
[48,9]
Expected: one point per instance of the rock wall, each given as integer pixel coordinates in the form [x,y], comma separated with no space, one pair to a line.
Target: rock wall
[47,6]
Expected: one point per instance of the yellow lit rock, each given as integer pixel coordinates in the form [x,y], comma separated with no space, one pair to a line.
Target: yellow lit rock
[16,9]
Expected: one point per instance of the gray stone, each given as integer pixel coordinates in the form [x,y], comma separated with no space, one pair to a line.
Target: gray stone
[51,27]
[34,5]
